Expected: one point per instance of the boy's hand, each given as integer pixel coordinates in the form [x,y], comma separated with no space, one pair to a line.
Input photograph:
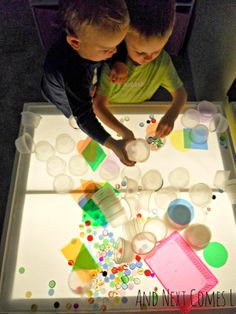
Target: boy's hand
[165,126]
[118,73]
[118,147]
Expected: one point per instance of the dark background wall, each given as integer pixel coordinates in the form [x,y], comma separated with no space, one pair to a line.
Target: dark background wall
[212,33]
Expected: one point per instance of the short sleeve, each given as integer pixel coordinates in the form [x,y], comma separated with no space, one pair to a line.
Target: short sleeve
[171,80]
[104,87]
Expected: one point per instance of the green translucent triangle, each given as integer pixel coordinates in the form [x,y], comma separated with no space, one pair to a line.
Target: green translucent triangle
[84,260]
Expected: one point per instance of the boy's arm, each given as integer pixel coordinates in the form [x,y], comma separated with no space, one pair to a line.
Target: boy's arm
[166,124]
[100,107]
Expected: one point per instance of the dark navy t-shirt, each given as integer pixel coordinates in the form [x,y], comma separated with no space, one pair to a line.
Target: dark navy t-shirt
[68,82]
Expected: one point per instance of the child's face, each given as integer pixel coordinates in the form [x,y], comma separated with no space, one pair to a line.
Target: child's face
[144,50]
[97,44]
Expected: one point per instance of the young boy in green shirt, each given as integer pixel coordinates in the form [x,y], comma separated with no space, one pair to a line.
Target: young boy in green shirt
[149,67]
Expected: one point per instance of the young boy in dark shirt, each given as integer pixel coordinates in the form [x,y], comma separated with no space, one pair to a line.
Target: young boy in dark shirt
[93,29]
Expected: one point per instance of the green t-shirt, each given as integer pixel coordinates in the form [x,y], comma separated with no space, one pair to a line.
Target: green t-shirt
[143,81]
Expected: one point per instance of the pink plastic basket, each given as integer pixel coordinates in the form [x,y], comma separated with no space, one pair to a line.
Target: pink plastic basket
[179,269]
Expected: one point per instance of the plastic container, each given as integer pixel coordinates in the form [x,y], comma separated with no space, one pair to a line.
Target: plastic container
[131,185]
[77,165]
[64,143]
[80,281]
[207,110]
[56,166]
[179,177]
[133,203]
[198,236]
[44,150]
[180,213]
[165,196]
[152,180]
[200,194]
[157,227]
[63,184]
[138,150]
[25,144]
[123,252]
[191,118]
[199,134]
[143,243]
[30,119]
[144,200]
[218,123]
[104,192]
[221,178]
[230,189]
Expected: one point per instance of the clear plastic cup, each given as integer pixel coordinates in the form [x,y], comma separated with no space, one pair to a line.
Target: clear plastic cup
[200,194]
[64,143]
[80,281]
[180,213]
[165,196]
[179,177]
[143,243]
[44,150]
[131,228]
[230,189]
[152,180]
[25,144]
[133,204]
[109,170]
[104,192]
[138,150]
[123,252]
[77,165]
[221,178]
[197,235]
[157,227]
[144,199]
[131,172]
[121,216]
[191,118]
[30,119]
[63,184]
[207,109]
[199,134]
[131,185]
[218,123]
[56,166]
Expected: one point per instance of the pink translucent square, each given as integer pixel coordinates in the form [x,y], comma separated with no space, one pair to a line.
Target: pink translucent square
[179,269]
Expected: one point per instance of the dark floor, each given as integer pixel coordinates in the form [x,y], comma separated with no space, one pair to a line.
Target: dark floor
[21,59]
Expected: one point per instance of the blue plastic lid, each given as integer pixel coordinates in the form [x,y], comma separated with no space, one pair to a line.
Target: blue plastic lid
[181,211]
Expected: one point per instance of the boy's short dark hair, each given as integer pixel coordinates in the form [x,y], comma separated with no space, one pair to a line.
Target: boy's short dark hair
[151,17]
[108,14]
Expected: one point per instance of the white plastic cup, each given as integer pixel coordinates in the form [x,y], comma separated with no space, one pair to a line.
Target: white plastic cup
[152,180]
[138,150]
[199,134]
[123,252]
[25,144]
[63,184]
[56,166]
[179,177]
[157,227]
[77,165]
[143,243]
[104,192]
[207,109]
[80,281]
[165,196]
[133,203]
[144,199]
[30,119]
[200,194]
[64,143]
[131,185]
[230,189]
[218,123]
[197,235]
[191,118]
[44,150]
